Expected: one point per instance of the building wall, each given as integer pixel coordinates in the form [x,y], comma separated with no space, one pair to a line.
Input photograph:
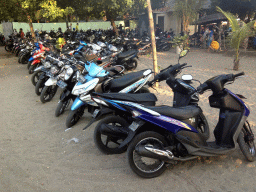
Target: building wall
[54,26]
[170,22]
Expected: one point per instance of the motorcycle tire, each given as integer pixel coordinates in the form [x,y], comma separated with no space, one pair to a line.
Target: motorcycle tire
[7,48]
[48,93]
[132,65]
[24,59]
[29,64]
[39,86]
[167,48]
[246,143]
[107,142]
[144,166]
[32,68]
[62,105]
[143,90]
[74,116]
[35,77]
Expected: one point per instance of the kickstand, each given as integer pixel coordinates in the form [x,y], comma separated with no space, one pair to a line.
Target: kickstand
[90,123]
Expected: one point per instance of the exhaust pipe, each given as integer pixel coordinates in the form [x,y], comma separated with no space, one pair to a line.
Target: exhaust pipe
[114,131]
[151,152]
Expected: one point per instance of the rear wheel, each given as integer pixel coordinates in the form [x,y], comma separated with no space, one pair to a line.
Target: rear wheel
[48,93]
[7,48]
[109,133]
[145,166]
[246,143]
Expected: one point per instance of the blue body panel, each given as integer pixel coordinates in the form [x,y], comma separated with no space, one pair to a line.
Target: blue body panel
[165,122]
[76,104]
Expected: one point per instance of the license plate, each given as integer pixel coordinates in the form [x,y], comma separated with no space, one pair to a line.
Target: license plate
[95,113]
[61,84]
[134,126]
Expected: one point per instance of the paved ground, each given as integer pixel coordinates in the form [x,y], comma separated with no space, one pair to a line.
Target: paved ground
[37,154]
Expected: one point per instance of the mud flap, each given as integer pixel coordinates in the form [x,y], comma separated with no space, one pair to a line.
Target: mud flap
[99,114]
[132,132]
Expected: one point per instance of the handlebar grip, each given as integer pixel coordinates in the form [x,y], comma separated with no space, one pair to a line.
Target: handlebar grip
[202,88]
[239,74]
[184,64]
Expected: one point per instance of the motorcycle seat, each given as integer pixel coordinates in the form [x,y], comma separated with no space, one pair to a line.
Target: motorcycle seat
[148,99]
[180,113]
[127,54]
[116,85]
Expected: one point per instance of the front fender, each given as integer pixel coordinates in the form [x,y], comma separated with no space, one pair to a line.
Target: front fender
[35,62]
[65,95]
[51,82]
[76,104]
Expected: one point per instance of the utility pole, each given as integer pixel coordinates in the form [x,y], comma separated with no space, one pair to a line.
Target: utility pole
[153,39]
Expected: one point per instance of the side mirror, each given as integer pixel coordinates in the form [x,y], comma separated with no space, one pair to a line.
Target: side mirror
[187,78]
[183,53]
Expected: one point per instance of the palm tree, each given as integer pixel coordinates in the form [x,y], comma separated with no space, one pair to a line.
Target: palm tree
[240,31]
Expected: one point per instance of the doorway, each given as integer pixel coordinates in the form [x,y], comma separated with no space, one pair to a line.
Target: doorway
[161,22]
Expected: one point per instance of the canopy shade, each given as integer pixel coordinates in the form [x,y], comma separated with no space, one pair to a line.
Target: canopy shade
[214,18]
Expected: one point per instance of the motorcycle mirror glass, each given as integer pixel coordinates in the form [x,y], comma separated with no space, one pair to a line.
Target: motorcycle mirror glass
[183,53]
[187,77]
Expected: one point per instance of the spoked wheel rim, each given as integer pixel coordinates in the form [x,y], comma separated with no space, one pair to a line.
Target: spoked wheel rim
[50,92]
[146,164]
[112,142]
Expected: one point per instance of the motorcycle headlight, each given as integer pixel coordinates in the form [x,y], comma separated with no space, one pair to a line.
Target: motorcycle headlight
[68,73]
[54,70]
[47,64]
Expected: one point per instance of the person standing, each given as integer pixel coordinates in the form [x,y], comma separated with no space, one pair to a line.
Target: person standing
[22,35]
[210,37]
[77,27]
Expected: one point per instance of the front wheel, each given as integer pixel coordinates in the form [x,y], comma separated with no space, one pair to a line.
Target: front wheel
[145,166]
[74,116]
[48,93]
[109,133]
[32,68]
[62,105]
[246,143]
[35,77]
[143,90]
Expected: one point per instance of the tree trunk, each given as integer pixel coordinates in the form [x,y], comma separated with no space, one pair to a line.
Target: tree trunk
[114,26]
[236,61]
[31,29]
[67,22]
[153,39]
